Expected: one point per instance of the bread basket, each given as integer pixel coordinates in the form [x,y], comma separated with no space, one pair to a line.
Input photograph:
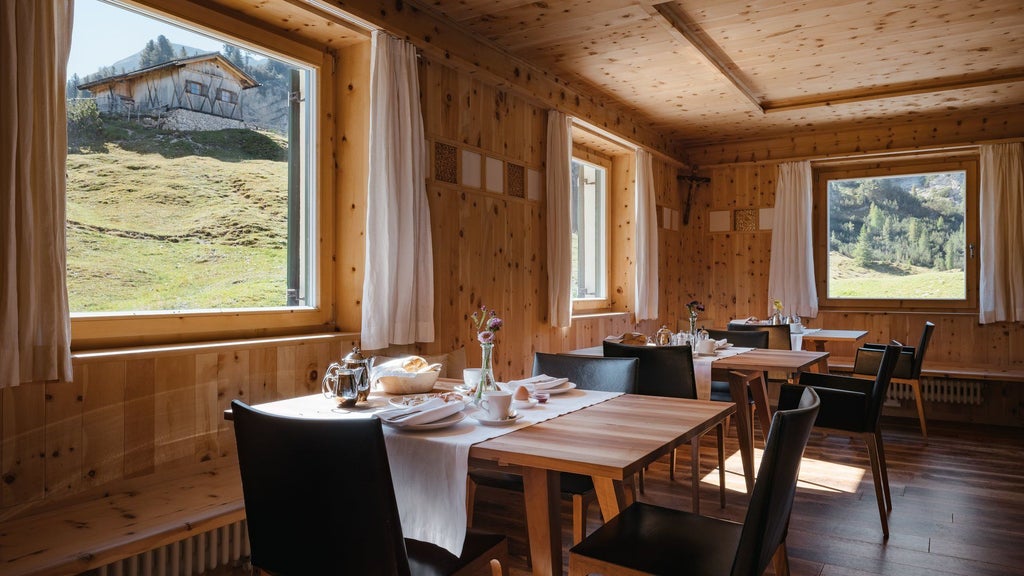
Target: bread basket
[407,376]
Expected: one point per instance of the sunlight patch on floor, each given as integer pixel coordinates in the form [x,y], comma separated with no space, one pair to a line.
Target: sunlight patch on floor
[814,475]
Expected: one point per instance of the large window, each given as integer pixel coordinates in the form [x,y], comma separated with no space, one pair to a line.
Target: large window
[589,233]
[897,235]
[181,208]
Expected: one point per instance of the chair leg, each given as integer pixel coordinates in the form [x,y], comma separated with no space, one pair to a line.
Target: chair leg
[580,507]
[470,499]
[885,469]
[721,462]
[876,475]
[915,385]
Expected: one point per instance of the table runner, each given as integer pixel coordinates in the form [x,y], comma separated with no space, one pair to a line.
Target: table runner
[702,366]
[429,468]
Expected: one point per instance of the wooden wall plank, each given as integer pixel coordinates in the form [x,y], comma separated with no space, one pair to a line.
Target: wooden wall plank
[24,442]
[103,421]
[63,455]
[140,417]
[174,391]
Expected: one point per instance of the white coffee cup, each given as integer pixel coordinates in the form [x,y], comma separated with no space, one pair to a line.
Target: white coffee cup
[497,404]
[471,377]
[706,347]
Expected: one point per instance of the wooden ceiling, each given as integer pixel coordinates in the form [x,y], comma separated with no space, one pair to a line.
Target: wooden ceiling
[708,71]
[806,65]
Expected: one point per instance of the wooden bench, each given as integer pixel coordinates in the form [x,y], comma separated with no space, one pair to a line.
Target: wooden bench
[121,520]
[952,370]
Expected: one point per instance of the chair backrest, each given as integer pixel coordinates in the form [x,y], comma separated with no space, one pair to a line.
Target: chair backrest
[778,334]
[662,371]
[880,388]
[318,495]
[926,336]
[742,338]
[771,502]
[589,372]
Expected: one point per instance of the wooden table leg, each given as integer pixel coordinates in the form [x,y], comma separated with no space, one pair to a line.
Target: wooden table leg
[759,388]
[738,391]
[611,496]
[543,506]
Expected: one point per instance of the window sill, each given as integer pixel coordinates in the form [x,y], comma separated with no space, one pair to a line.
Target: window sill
[588,314]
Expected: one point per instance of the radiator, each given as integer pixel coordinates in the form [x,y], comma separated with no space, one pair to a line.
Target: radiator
[224,546]
[946,390]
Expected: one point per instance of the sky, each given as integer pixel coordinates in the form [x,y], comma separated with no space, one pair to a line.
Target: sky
[103,34]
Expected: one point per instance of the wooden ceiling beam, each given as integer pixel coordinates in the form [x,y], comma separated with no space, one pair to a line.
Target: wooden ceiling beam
[681,26]
[894,91]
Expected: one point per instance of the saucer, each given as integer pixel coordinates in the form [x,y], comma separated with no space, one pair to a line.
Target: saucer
[524,404]
[483,419]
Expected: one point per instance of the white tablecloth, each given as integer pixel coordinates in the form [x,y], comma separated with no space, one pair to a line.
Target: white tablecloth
[428,468]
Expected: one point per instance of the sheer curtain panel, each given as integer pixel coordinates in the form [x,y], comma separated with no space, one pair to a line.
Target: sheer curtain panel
[36,343]
[1001,272]
[791,270]
[647,239]
[559,191]
[398,290]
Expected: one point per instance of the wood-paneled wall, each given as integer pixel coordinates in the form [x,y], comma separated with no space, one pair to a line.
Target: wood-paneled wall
[134,412]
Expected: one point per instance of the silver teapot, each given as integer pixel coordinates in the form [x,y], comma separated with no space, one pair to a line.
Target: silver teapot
[360,367]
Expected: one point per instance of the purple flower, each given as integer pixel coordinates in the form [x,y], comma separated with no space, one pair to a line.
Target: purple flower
[494,324]
[485,337]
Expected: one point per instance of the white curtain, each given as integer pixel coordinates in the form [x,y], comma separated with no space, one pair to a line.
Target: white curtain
[1001,221]
[35,343]
[791,270]
[398,290]
[646,239]
[559,192]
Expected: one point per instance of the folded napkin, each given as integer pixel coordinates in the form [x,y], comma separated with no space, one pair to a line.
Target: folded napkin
[430,411]
[539,382]
[723,343]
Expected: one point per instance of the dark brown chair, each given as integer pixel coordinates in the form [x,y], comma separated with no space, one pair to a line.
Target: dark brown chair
[908,367]
[647,539]
[319,500]
[588,373]
[778,334]
[853,406]
[668,371]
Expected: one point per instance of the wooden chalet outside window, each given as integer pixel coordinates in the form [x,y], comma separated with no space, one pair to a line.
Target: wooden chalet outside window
[197,88]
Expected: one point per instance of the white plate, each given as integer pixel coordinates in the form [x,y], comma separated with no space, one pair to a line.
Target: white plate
[442,423]
[482,418]
[559,389]
[524,404]
[409,401]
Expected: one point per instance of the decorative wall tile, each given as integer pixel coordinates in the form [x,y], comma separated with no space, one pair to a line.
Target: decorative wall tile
[446,163]
[471,169]
[745,220]
[719,221]
[515,176]
[494,175]
[533,184]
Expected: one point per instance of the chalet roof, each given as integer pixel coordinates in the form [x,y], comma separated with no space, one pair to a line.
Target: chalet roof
[245,79]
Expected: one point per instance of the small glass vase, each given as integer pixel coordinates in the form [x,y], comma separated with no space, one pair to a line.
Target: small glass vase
[486,372]
[693,329]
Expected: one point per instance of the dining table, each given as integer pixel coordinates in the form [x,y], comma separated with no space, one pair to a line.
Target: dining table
[819,336]
[607,436]
[743,369]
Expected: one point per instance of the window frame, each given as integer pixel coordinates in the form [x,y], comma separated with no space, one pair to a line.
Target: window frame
[896,166]
[232,96]
[102,330]
[584,155]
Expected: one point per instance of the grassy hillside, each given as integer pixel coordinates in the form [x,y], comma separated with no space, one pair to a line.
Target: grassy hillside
[848,280]
[166,220]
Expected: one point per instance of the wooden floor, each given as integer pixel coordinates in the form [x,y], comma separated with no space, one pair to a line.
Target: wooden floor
[958,503]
